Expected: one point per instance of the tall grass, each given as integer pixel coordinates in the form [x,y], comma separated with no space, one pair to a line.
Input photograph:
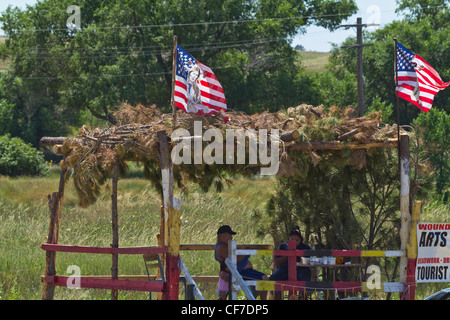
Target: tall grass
[24,216]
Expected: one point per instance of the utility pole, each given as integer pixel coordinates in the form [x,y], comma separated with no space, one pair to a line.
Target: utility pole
[359,67]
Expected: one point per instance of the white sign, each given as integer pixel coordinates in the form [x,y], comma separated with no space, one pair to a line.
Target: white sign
[433,256]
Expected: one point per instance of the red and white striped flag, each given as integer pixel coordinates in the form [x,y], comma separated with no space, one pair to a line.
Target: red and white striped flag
[197,89]
[418,82]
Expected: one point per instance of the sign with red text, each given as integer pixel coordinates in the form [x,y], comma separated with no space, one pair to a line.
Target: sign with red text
[433,255]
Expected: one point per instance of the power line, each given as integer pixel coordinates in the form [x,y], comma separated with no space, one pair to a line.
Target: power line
[137,74]
[159,49]
[153,52]
[98,76]
[172,25]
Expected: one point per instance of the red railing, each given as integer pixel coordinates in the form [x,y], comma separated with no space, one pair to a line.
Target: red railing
[96,283]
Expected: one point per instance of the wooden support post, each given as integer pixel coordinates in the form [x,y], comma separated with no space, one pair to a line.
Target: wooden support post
[292,265]
[55,205]
[404,205]
[359,61]
[167,180]
[233,257]
[160,238]
[171,220]
[115,230]
[174,227]
[190,292]
[50,258]
[411,252]
[173,257]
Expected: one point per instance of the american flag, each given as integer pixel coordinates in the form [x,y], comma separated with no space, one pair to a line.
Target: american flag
[197,89]
[418,82]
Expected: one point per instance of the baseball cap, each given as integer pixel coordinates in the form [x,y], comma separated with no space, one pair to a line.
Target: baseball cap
[225,229]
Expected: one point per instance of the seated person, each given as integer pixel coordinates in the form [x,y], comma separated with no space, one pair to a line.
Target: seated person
[244,266]
[303,273]
[222,287]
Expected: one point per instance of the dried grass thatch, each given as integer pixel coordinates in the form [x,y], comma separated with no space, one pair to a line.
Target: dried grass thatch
[91,156]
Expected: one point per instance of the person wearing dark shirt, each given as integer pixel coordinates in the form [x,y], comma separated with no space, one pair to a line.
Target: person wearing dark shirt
[303,273]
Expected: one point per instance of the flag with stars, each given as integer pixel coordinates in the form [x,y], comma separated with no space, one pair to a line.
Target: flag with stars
[418,82]
[197,89]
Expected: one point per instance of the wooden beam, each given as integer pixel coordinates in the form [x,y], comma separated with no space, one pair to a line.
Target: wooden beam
[317,113]
[102,250]
[51,141]
[290,136]
[113,284]
[144,277]
[347,135]
[211,246]
[337,145]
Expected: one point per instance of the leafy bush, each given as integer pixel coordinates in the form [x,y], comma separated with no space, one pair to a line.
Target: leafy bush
[434,130]
[19,158]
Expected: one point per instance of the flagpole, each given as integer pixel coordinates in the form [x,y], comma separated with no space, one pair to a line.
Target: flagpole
[397,104]
[396,95]
[174,66]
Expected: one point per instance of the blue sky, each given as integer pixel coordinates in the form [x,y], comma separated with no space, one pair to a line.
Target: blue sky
[315,38]
[319,39]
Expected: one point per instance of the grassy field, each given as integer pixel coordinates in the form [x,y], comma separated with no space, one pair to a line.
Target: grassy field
[24,222]
[4,63]
[314,61]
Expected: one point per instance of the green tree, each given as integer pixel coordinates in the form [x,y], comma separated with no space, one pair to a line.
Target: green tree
[19,158]
[122,52]
[338,202]
[424,30]
[434,131]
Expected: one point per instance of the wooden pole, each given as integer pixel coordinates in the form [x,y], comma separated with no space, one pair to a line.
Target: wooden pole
[359,65]
[160,238]
[115,230]
[174,67]
[404,204]
[50,257]
[292,265]
[55,205]
[171,220]
[233,257]
[411,252]
[338,145]
[167,180]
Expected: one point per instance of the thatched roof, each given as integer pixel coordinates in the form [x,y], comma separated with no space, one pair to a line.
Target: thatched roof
[92,154]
